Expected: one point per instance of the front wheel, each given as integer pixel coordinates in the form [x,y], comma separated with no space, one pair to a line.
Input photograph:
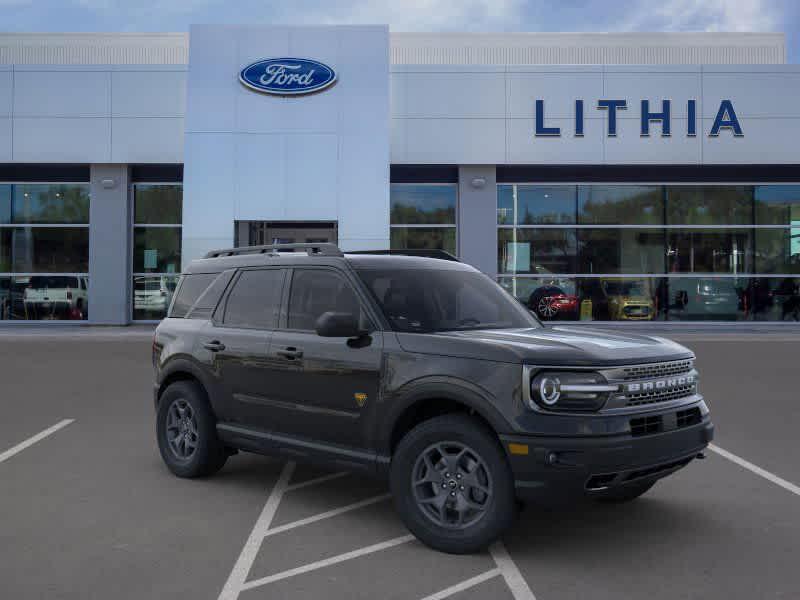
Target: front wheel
[186,431]
[452,485]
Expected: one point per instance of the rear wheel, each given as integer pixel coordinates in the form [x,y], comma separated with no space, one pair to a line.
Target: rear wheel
[186,432]
[452,485]
[624,494]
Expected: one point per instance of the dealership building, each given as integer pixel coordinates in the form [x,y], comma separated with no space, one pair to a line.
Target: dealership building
[622,177]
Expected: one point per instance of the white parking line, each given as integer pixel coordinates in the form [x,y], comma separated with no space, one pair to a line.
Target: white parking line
[327,562]
[510,572]
[464,585]
[235,584]
[33,439]
[327,514]
[310,482]
[756,469]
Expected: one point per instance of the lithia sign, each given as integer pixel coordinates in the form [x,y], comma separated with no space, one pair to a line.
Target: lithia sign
[726,119]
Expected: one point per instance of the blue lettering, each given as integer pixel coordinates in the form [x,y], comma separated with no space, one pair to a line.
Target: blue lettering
[612,106]
[663,116]
[541,130]
[726,119]
[691,118]
[578,118]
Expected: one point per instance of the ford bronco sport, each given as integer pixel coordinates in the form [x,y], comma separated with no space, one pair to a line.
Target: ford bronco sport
[420,369]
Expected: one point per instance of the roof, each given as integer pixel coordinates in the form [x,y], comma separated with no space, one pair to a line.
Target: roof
[524,48]
[289,259]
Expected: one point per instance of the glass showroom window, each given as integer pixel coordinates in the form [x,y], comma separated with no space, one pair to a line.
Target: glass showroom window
[156,248]
[423,216]
[644,252]
[44,251]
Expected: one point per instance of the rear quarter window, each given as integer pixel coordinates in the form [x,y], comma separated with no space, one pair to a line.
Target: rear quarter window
[190,289]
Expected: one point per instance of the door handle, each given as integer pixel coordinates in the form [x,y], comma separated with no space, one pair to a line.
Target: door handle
[214,346]
[290,353]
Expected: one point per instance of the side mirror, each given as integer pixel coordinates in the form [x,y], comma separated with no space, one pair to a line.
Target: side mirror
[338,324]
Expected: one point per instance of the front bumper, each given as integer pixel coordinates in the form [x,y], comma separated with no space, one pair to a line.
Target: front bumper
[575,466]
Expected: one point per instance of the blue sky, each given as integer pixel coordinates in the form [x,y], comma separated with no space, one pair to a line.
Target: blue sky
[414,15]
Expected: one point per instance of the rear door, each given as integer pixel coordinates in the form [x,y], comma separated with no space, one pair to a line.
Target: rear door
[321,387]
[234,343]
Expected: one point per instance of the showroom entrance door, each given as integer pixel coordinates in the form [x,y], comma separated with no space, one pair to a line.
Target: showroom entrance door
[259,233]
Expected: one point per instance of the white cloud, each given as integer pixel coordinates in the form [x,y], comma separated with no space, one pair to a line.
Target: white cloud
[704,15]
[417,15]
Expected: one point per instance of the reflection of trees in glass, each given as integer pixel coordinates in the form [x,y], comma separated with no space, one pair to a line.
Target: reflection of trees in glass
[777,204]
[42,203]
[158,204]
[413,204]
[413,215]
[621,204]
[709,205]
[434,238]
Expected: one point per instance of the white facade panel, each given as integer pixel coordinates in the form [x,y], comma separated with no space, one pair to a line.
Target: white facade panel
[753,94]
[305,181]
[5,139]
[311,177]
[454,95]
[765,141]
[524,148]
[629,148]
[558,90]
[62,93]
[148,93]
[454,141]
[147,140]
[262,195]
[635,86]
[209,178]
[78,140]
[210,93]
[6,91]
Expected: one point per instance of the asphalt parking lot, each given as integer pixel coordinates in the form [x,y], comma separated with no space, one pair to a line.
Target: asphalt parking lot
[87,510]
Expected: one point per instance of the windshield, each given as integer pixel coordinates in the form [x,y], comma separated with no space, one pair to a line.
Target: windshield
[428,300]
[626,288]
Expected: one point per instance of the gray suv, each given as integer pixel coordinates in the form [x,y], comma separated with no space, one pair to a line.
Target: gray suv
[422,370]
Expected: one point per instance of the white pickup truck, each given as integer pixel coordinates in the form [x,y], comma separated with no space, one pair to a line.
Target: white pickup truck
[56,297]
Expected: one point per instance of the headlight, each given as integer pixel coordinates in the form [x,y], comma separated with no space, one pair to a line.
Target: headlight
[569,390]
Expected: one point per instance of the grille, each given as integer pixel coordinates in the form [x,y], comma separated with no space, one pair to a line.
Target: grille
[660,396]
[646,425]
[688,417]
[657,370]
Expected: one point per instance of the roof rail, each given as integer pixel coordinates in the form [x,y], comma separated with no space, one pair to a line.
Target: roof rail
[324,249]
[430,253]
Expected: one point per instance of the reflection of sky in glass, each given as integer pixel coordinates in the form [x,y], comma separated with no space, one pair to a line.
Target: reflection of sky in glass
[794,246]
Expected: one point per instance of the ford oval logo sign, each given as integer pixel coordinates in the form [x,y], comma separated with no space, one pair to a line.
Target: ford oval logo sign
[287,76]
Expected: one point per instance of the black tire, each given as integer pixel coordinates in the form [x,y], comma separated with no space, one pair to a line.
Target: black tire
[208,455]
[625,493]
[499,508]
[534,301]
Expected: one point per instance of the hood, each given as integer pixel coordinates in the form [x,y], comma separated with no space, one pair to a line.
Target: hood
[631,300]
[566,346]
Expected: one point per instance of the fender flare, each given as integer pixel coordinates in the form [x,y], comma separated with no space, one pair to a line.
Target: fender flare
[448,388]
[185,364]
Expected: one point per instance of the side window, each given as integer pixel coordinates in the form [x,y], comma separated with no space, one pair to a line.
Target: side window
[255,299]
[315,291]
[191,288]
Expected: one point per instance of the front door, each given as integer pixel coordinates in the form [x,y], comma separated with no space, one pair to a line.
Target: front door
[323,387]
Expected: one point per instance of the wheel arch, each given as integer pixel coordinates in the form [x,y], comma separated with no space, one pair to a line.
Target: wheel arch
[183,370]
[435,398]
